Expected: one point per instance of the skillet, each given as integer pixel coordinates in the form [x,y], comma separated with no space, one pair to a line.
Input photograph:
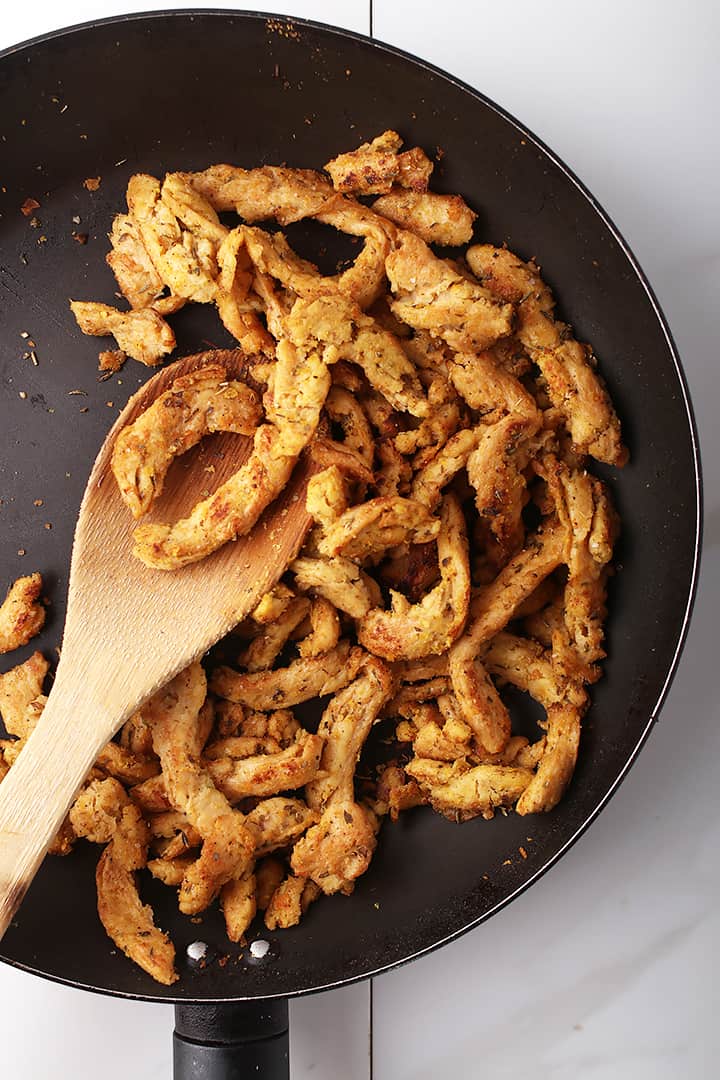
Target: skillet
[182,90]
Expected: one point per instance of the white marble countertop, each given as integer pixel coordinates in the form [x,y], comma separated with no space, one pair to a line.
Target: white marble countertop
[605,970]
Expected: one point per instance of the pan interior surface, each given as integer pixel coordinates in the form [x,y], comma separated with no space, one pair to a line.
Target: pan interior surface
[183,91]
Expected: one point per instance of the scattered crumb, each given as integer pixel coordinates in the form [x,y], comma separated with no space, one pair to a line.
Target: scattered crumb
[80,237]
[22,394]
[109,404]
[38,502]
[111,361]
[92,183]
[21,551]
[523,852]
[29,206]
[508,862]
[48,525]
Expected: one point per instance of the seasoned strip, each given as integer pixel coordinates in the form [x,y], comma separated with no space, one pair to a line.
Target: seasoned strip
[413,631]
[336,851]
[436,219]
[300,681]
[263,650]
[492,610]
[375,166]
[185,261]
[19,689]
[195,405]
[228,845]
[345,725]
[340,581]
[141,334]
[21,615]
[104,814]
[270,773]
[137,278]
[324,629]
[460,793]
[238,904]
[432,295]
[567,366]
[557,763]
[230,512]
[370,528]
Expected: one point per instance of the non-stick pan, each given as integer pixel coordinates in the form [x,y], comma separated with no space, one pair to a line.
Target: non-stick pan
[182,90]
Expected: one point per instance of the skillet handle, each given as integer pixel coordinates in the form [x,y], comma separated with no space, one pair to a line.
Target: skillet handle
[246,1040]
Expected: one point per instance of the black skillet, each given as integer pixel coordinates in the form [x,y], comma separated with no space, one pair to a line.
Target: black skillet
[182,90]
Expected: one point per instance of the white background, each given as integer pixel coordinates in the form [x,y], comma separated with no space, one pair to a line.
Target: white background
[605,970]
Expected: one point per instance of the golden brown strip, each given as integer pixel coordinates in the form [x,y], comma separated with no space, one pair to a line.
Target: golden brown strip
[21,615]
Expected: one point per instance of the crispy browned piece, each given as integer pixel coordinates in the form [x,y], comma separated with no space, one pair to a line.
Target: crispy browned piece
[269,774]
[264,649]
[21,615]
[460,792]
[345,725]
[300,681]
[124,765]
[495,468]
[395,792]
[338,850]
[185,260]
[292,194]
[567,366]
[492,610]
[228,846]
[238,904]
[334,324]
[525,664]
[324,629]
[279,821]
[170,869]
[557,763]
[237,303]
[195,405]
[230,512]
[436,219]
[142,334]
[370,528]
[375,166]
[270,872]
[339,580]
[430,294]
[344,409]
[104,814]
[594,526]
[430,480]
[19,688]
[412,631]
[285,906]
[137,278]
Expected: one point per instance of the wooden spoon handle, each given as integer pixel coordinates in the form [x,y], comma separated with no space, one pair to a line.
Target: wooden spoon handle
[42,784]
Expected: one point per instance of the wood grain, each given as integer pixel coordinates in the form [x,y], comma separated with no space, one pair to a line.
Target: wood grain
[129,629]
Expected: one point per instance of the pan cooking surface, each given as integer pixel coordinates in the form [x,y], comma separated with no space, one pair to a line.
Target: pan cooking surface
[183,91]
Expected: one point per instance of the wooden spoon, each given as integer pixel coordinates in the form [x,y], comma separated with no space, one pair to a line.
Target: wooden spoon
[130,629]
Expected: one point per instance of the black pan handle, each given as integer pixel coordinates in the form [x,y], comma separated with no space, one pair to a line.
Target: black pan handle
[247,1040]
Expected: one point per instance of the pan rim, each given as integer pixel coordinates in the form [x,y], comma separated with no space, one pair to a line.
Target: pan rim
[365,39]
